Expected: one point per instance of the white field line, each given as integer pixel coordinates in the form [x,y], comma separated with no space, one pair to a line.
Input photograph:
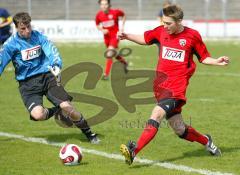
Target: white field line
[117,157]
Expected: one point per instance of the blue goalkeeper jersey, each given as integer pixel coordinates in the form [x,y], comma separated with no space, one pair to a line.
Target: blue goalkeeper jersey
[29,56]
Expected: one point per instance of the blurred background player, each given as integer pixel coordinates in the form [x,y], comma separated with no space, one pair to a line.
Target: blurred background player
[107,22]
[177,45]
[5,25]
[38,64]
[160,14]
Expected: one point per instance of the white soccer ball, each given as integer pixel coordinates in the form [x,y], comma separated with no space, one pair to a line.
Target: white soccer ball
[70,154]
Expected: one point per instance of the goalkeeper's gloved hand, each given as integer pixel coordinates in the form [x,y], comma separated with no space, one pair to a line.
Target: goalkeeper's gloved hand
[55,70]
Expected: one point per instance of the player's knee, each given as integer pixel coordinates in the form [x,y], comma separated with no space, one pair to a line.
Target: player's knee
[38,113]
[66,106]
[158,114]
[178,127]
[111,52]
[69,109]
[184,133]
[179,131]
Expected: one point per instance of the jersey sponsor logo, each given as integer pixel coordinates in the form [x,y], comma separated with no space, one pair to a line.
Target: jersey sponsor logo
[173,54]
[110,16]
[31,53]
[182,42]
[108,23]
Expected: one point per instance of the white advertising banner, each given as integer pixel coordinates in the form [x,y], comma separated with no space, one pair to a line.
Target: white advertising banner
[65,30]
[74,30]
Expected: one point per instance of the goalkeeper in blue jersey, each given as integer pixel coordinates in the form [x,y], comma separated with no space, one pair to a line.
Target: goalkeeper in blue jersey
[38,64]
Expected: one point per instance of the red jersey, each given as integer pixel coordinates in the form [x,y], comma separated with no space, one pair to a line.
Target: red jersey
[175,64]
[109,20]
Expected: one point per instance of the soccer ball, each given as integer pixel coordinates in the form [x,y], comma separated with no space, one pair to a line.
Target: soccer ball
[70,154]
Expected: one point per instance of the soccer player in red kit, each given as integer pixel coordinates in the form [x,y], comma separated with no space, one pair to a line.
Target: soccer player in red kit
[107,22]
[177,45]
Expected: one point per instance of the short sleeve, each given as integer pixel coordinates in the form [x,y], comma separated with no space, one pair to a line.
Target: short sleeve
[151,36]
[200,49]
[120,13]
[97,20]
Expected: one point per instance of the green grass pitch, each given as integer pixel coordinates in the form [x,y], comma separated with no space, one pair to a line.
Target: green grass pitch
[212,107]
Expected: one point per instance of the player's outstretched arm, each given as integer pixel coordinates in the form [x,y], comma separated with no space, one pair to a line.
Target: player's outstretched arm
[139,39]
[221,61]
[101,29]
[5,58]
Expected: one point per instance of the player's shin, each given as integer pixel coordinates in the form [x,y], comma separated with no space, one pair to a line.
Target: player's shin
[85,128]
[78,120]
[83,125]
[108,66]
[121,59]
[147,135]
[51,111]
[192,135]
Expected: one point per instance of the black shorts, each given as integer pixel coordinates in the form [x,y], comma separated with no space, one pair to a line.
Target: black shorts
[34,88]
[171,106]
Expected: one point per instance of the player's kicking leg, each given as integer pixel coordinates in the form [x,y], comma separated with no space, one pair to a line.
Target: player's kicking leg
[130,150]
[59,97]
[79,121]
[190,134]
[62,119]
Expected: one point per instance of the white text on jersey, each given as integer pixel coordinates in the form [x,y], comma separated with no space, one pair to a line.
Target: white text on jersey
[108,23]
[29,54]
